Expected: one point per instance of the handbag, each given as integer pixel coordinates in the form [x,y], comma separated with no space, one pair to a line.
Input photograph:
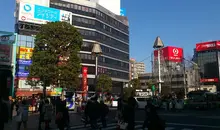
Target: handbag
[122,125]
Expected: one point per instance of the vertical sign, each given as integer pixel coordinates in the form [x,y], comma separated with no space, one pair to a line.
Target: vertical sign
[5,54]
[84,79]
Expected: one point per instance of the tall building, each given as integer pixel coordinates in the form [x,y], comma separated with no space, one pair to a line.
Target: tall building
[136,68]
[171,69]
[207,56]
[95,23]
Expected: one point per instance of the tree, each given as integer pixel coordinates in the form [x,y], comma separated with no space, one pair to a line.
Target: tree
[104,83]
[135,83]
[55,61]
[127,92]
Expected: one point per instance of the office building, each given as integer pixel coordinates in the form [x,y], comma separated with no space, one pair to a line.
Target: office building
[207,56]
[136,68]
[171,69]
[96,24]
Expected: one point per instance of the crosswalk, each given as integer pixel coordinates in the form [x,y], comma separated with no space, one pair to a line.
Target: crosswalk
[113,126]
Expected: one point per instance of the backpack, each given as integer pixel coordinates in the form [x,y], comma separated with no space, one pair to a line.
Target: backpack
[4,111]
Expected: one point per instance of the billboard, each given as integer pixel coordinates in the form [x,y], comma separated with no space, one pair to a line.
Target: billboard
[24,53]
[84,78]
[5,54]
[122,12]
[174,54]
[207,46]
[41,14]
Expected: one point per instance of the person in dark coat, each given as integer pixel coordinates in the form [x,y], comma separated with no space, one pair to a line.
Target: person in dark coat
[41,116]
[62,116]
[129,113]
[104,112]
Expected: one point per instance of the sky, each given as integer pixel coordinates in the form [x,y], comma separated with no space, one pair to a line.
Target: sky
[181,23]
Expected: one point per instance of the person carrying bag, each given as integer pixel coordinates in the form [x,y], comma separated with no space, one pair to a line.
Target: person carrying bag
[22,115]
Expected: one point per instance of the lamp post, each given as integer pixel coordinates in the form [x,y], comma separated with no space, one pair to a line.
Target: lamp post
[158,44]
[96,51]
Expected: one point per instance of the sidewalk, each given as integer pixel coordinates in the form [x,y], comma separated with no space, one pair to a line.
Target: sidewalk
[75,119]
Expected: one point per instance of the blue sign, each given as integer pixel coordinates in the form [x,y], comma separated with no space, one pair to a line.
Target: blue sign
[45,13]
[24,62]
[122,12]
[27,7]
[22,74]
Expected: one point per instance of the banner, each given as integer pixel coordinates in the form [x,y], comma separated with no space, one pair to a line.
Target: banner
[209,80]
[41,14]
[207,46]
[5,54]
[24,62]
[84,79]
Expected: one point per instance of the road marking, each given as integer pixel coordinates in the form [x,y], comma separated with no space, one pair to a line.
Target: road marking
[195,125]
[187,129]
[192,125]
[210,117]
[173,115]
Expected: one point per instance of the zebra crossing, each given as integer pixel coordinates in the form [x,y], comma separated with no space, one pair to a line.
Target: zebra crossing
[113,126]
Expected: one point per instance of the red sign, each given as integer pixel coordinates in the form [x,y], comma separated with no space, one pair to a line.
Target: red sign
[207,46]
[209,80]
[84,78]
[174,54]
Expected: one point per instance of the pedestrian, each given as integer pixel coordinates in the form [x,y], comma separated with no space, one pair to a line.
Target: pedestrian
[47,113]
[60,116]
[104,111]
[22,115]
[41,115]
[4,113]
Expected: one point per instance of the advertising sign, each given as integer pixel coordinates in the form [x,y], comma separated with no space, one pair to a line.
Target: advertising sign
[84,78]
[41,14]
[122,12]
[24,62]
[170,53]
[5,54]
[207,46]
[22,74]
[24,53]
[7,39]
[209,80]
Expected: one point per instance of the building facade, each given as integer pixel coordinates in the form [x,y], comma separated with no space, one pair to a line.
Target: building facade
[136,68]
[171,69]
[144,79]
[96,24]
[207,56]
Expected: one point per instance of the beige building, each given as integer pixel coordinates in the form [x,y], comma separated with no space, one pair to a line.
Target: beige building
[136,68]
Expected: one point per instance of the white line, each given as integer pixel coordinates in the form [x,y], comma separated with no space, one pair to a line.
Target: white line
[187,129]
[192,125]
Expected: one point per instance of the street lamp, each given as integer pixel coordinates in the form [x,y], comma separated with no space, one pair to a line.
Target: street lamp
[96,51]
[158,44]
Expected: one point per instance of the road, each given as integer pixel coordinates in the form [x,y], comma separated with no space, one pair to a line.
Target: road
[185,120]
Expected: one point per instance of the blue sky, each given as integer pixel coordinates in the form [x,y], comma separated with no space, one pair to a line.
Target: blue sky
[180,23]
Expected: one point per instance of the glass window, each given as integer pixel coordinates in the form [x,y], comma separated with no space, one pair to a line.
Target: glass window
[23,38]
[79,7]
[23,43]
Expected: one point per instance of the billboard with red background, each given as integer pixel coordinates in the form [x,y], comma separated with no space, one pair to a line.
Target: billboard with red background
[84,79]
[170,53]
[204,46]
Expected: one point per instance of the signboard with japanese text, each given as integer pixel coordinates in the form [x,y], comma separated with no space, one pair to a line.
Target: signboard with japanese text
[84,78]
[41,14]
[24,53]
[205,46]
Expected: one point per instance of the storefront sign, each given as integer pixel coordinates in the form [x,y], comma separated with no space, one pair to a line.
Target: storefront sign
[208,46]
[209,80]
[22,74]
[24,62]
[5,54]
[24,53]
